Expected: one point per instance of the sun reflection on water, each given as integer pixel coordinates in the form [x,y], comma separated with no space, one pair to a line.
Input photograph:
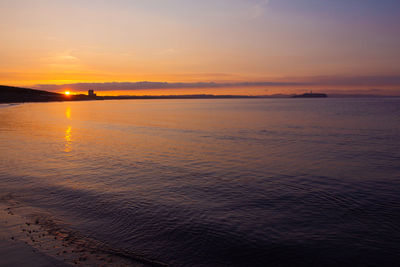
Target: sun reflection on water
[68,113]
[68,132]
[68,139]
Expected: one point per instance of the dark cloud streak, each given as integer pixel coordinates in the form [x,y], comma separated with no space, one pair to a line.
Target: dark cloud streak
[289,81]
[114,86]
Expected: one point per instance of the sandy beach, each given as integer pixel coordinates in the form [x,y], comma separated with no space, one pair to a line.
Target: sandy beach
[17,253]
[29,237]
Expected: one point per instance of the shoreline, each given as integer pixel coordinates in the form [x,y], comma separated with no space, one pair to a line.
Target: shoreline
[30,237]
[6,105]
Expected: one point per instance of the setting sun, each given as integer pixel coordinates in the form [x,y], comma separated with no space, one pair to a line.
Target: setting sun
[67,92]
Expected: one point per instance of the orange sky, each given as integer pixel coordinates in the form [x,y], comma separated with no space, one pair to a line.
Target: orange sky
[67,42]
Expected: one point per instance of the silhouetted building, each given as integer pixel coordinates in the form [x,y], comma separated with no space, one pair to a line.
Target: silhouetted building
[91,93]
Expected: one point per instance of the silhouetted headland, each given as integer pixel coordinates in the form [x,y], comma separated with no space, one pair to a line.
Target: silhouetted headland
[10,94]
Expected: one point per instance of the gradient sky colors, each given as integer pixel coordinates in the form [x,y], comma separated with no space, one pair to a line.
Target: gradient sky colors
[311,43]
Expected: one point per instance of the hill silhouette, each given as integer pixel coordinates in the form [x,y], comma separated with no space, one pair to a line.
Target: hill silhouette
[10,94]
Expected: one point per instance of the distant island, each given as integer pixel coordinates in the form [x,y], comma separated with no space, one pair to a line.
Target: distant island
[310,95]
[10,94]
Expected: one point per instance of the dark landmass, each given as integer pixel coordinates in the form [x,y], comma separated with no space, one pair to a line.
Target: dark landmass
[360,96]
[199,96]
[9,94]
[310,95]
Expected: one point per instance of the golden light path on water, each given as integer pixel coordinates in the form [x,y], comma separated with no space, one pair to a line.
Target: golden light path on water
[68,139]
[68,132]
[68,113]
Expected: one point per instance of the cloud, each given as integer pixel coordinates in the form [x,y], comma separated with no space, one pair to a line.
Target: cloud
[257,9]
[167,52]
[350,81]
[374,80]
[120,86]
[66,58]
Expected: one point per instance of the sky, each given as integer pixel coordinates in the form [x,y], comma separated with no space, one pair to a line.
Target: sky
[273,46]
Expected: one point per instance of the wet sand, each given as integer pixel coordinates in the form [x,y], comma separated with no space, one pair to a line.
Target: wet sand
[17,253]
[31,237]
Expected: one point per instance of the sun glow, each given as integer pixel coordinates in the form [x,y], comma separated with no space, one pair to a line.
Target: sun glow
[67,92]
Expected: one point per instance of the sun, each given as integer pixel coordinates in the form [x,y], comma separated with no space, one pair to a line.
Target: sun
[67,92]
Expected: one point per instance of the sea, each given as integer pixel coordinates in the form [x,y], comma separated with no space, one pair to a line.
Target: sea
[215,182]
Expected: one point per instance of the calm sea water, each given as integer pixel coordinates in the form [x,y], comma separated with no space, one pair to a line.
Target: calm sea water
[237,182]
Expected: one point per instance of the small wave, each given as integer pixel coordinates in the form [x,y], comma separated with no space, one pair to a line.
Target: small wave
[7,105]
[53,237]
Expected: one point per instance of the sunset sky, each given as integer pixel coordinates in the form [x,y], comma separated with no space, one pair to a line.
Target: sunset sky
[275,45]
